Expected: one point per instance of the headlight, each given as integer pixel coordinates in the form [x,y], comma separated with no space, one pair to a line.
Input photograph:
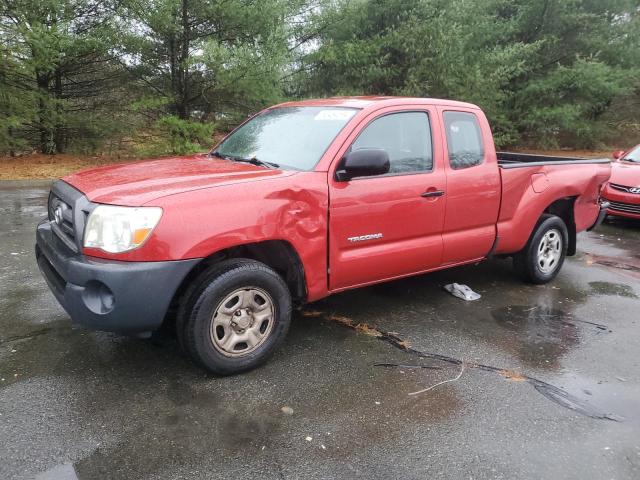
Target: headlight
[118,229]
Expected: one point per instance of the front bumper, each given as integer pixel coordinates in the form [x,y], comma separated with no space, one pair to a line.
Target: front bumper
[604,205]
[623,209]
[622,204]
[124,297]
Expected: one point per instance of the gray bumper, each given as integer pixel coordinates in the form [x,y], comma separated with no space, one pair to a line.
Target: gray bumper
[125,297]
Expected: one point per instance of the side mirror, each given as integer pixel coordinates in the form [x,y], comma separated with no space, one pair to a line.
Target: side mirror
[363,163]
[618,154]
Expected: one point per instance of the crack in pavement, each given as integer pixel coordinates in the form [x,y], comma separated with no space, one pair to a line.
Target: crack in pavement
[551,392]
[26,336]
[613,262]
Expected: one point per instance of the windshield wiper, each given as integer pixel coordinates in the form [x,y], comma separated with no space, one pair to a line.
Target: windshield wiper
[261,163]
[252,160]
[216,153]
[255,161]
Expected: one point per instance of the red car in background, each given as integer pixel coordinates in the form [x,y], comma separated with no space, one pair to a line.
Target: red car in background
[623,189]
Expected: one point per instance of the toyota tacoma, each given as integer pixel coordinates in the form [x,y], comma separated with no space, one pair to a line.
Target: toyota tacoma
[303,200]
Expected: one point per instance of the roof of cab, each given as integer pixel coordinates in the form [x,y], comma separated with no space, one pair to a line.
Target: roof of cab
[373,101]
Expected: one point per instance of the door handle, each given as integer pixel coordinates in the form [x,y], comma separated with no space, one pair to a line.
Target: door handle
[432,193]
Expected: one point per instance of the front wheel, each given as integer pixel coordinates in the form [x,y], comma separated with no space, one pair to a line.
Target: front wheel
[543,255]
[236,316]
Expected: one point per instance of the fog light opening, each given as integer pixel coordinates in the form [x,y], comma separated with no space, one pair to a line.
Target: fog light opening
[98,297]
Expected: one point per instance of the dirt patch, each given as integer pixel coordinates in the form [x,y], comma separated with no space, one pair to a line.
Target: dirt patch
[38,166]
[629,266]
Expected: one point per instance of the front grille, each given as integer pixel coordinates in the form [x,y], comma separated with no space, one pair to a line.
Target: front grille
[624,188]
[66,214]
[625,207]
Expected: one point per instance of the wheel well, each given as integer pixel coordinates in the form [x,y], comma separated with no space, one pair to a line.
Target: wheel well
[277,254]
[563,208]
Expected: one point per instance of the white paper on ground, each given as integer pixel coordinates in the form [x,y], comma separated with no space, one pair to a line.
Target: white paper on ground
[462,291]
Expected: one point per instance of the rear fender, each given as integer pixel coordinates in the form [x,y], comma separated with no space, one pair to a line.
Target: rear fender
[570,191]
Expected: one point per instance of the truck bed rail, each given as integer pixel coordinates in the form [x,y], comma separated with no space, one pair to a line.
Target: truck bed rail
[519,160]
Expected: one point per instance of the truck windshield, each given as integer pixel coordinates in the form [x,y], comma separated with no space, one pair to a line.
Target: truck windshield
[633,156]
[291,137]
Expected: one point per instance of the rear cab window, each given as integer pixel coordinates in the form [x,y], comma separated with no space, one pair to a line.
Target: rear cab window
[464,139]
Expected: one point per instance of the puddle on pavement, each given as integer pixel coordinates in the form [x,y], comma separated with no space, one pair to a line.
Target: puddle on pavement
[25,308]
[41,351]
[615,289]
[540,326]
[565,399]
[66,471]
[617,393]
[24,210]
[541,319]
[544,334]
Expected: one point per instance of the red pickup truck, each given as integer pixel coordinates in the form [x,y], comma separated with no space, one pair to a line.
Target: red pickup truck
[303,200]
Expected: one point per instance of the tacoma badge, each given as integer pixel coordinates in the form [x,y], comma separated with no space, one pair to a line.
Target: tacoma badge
[362,238]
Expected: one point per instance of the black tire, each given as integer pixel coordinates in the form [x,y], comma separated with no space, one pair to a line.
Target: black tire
[526,262]
[204,297]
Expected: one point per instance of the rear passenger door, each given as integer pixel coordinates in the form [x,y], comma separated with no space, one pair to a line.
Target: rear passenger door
[387,226]
[473,185]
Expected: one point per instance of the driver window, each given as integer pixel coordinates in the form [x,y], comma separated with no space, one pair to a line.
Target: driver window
[405,136]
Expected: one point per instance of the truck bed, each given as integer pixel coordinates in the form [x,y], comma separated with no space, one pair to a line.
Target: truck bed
[519,160]
[532,183]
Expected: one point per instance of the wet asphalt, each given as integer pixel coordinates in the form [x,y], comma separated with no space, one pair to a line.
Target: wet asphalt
[560,397]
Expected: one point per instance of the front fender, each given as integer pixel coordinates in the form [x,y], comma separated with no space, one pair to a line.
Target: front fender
[200,223]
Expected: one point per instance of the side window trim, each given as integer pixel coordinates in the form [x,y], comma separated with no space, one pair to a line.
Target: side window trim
[398,174]
[478,129]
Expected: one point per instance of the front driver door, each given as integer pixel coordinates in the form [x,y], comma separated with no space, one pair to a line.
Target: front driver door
[390,225]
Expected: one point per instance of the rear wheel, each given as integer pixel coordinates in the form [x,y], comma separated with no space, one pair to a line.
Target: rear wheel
[542,257]
[235,316]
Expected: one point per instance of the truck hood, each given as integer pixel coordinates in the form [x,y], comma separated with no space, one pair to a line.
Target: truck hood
[134,184]
[625,173]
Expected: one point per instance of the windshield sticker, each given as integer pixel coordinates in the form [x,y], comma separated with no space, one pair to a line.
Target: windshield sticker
[333,115]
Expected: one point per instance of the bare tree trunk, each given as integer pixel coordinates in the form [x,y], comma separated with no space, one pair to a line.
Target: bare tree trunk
[47,145]
[179,63]
[12,152]
[173,72]
[184,110]
[59,134]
